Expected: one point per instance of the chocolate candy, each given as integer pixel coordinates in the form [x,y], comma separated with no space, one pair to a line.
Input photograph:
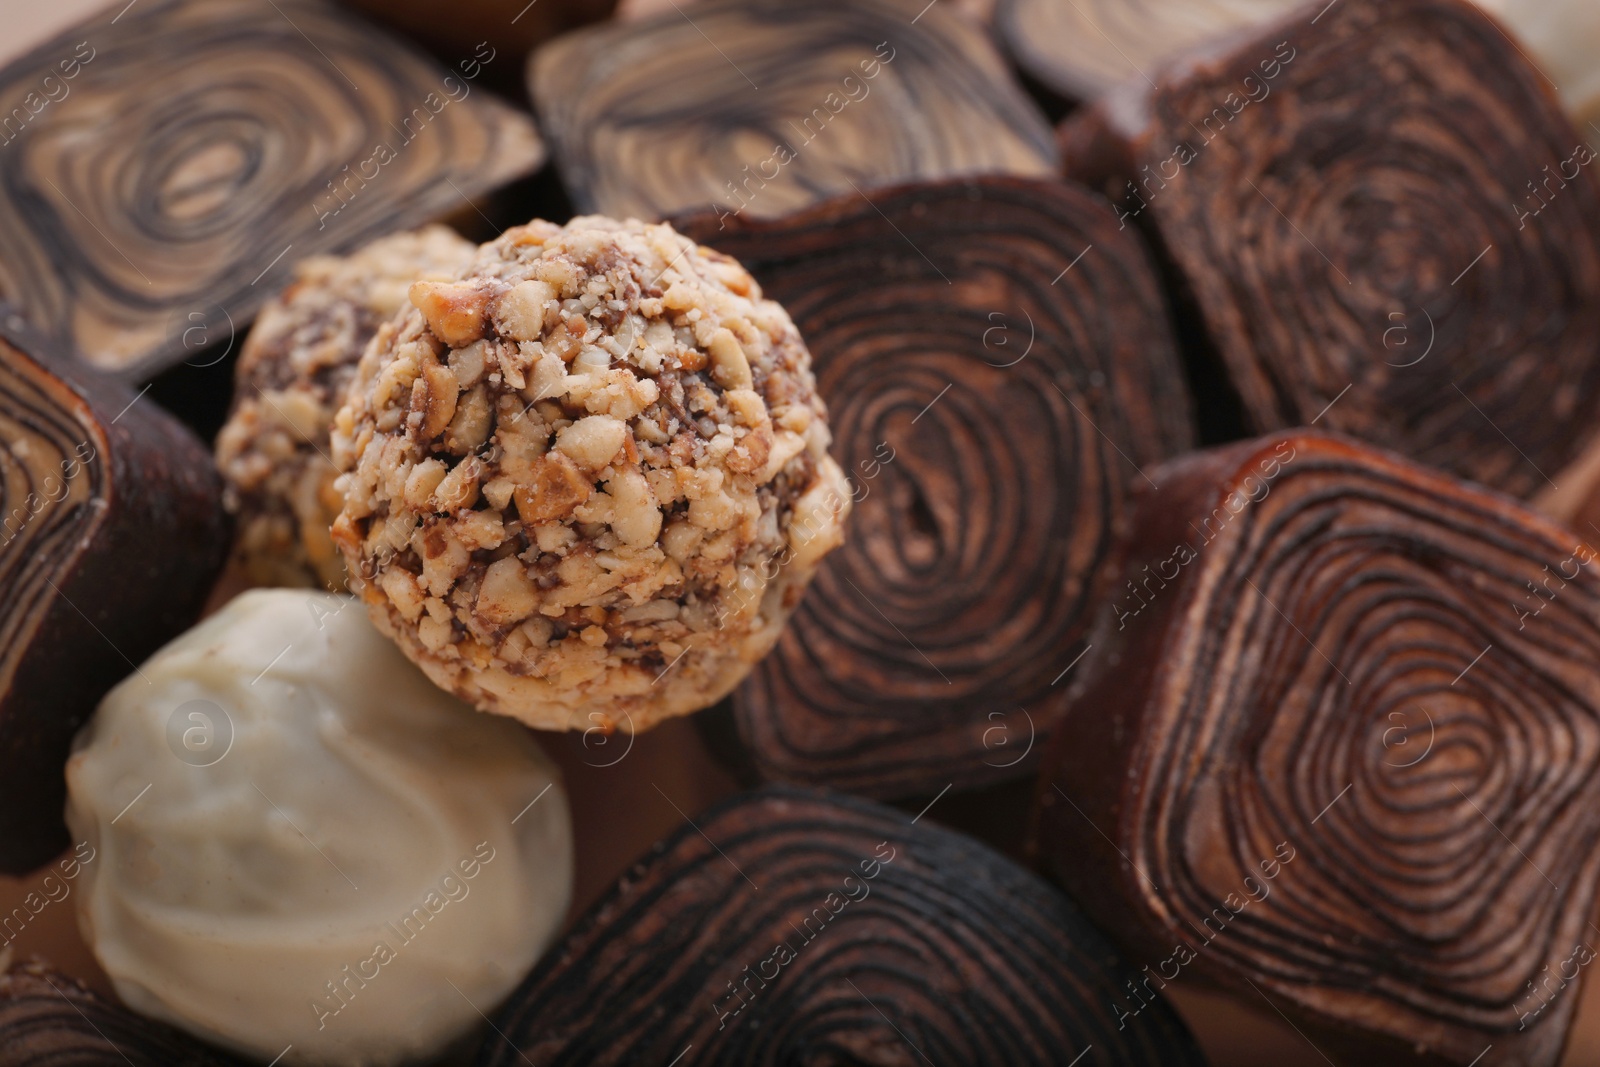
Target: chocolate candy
[1336,748]
[338,945]
[790,926]
[1079,50]
[766,107]
[1382,224]
[111,535]
[290,381]
[148,206]
[49,1019]
[997,365]
[588,481]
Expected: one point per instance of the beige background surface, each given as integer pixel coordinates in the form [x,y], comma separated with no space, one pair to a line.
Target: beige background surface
[28,22]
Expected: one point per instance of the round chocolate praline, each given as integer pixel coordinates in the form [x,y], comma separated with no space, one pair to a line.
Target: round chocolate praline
[292,374]
[587,483]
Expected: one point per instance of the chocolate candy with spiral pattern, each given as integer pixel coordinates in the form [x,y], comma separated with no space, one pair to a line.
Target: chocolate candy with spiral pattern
[50,1020]
[761,107]
[111,534]
[793,926]
[997,365]
[1383,223]
[150,205]
[1342,738]
[1081,49]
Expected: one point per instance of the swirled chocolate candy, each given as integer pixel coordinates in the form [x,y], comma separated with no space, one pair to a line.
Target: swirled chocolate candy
[50,1020]
[790,926]
[1338,749]
[111,534]
[764,107]
[997,365]
[1383,224]
[150,206]
[1079,50]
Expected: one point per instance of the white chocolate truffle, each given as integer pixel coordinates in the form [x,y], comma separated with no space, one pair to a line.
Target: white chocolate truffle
[587,482]
[302,841]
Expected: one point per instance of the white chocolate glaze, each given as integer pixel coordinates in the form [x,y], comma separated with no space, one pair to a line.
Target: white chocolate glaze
[303,842]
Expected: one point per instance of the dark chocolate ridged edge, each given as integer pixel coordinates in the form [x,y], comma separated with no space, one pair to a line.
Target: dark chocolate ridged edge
[50,1020]
[950,952]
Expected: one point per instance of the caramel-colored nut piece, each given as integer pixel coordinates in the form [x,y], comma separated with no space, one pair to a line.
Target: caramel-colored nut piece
[509,594]
[456,312]
[459,488]
[470,428]
[422,481]
[680,539]
[519,311]
[728,363]
[468,363]
[439,394]
[558,487]
[635,516]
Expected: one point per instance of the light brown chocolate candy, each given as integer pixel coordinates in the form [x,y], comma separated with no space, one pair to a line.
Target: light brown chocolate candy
[761,108]
[149,206]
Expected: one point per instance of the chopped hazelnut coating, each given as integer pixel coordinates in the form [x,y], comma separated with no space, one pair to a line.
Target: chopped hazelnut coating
[292,374]
[588,481]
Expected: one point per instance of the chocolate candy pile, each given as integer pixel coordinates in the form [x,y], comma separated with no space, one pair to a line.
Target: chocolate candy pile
[1154,500]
